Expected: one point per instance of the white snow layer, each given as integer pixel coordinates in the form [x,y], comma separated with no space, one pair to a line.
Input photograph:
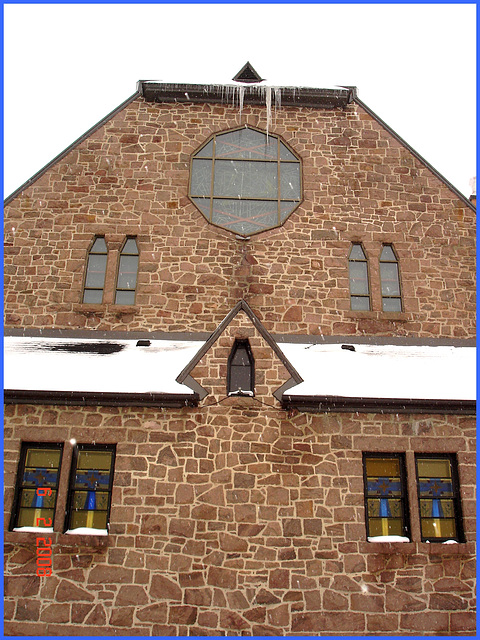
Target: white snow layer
[31,364]
[34,529]
[371,371]
[384,371]
[86,531]
[388,539]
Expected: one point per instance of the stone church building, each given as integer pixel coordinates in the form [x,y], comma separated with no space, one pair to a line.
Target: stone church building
[239,375]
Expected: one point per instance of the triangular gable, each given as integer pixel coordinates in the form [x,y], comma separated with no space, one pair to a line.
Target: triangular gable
[186,378]
[247,74]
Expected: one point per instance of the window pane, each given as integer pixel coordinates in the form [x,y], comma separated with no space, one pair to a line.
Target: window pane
[130,246]
[360,304]
[30,518]
[241,356]
[97,265]
[383,466]
[94,459]
[99,246]
[125,297]
[245,216]
[391,304]
[127,273]
[43,458]
[290,181]
[438,528]
[245,179]
[201,182]
[93,296]
[207,151]
[387,254]
[434,467]
[357,253]
[389,279]
[285,154]
[89,519]
[358,278]
[246,143]
[385,527]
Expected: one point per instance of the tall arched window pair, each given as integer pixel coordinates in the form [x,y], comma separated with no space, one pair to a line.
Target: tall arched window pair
[126,277]
[359,279]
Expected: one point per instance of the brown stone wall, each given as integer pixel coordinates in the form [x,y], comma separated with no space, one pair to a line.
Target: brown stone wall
[237,519]
[131,178]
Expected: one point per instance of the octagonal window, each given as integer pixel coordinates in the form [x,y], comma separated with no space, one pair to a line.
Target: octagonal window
[245,181]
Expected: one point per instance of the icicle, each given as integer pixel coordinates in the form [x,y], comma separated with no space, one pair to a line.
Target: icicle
[241,95]
[268,102]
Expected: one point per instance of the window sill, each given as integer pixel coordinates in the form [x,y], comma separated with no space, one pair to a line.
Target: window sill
[394,316]
[103,308]
[410,548]
[30,538]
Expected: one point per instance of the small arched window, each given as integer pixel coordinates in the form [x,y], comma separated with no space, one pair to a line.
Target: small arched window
[127,273]
[241,369]
[96,270]
[358,277]
[390,280]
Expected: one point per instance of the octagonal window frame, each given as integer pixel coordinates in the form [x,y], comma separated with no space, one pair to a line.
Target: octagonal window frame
[285,206]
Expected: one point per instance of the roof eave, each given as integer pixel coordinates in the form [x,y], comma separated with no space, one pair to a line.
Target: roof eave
[322,403]
[222,94]
[100,398]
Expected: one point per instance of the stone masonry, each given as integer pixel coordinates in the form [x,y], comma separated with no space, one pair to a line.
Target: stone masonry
[237,517]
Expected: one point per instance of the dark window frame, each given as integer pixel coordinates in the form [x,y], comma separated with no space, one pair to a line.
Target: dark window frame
[24,447]
[118,272]
[397,263]
[91,252]
[251,366]
[69,510]
[212,196]
[400,456]
[456,498]
[366,262]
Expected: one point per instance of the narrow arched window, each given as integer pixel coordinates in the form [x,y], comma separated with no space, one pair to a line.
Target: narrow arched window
[358,276]
[96,270]
[390,280]
[127,273]
[240,369]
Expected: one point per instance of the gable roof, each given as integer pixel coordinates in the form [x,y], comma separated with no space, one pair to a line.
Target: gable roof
[242,305]
[339,97]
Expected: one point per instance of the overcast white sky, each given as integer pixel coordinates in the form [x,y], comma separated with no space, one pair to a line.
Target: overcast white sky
[67,66]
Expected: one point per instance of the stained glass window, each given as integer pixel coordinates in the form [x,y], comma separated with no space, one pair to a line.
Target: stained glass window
[385,495]
[96,270]
[91,487]
[245,181]
[358,276]
[439,498]
[37,485]
[241,373]
[127,273]
[390,280]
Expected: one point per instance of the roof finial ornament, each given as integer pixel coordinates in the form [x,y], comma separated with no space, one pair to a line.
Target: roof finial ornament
[247,74]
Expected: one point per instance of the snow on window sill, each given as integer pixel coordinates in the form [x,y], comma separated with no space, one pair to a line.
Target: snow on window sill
[388,539]
[241,393]
[33,529]
[86,531]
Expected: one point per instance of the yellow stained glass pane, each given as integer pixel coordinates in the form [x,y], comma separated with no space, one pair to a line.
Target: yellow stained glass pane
[44,458]
[433,468]
[89,519]
[438,528]
[384,467]
[28,517]
[94,460]
[385,527]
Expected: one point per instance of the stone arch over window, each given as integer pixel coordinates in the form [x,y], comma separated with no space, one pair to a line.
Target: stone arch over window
[245,181]
[358,278]
[390,279]
[241,369]
[96,270]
